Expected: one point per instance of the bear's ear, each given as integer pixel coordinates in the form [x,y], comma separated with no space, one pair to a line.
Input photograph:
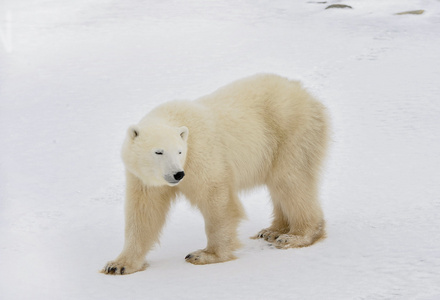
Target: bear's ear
[184,133]
[133,131]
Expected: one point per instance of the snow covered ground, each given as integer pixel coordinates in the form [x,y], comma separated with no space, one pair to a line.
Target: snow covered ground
[75,74]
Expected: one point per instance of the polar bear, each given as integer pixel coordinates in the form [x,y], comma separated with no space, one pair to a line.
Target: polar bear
[261,130]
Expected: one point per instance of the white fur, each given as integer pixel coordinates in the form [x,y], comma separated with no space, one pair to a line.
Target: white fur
[259,130]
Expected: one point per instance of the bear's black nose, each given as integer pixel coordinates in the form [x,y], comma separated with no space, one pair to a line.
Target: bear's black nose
[179,175]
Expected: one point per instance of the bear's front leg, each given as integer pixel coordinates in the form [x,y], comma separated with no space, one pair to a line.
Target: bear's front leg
[222,212]
[145,214]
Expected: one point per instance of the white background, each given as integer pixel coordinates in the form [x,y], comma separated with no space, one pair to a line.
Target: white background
[75,74]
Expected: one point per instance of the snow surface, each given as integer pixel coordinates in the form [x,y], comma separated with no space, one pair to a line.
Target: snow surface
[75,74]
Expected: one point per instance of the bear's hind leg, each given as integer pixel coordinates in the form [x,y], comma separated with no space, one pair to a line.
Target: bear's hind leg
[300,207]
[293,181]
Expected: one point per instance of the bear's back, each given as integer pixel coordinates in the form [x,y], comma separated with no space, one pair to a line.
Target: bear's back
[238,128]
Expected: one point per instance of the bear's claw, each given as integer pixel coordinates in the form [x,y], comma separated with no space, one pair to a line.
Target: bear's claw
[190,257]
[114,270]
[270,235]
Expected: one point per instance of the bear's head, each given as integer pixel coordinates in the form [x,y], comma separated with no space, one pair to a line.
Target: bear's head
[156,154]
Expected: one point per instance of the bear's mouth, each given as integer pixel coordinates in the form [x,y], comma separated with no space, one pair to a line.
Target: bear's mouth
[172,182]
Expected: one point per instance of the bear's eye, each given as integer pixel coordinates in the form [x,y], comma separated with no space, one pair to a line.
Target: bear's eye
[180,152]
[159,152]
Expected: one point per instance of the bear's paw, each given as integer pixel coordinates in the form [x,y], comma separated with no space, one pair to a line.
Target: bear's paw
[203,257]
[122,267]
[285,241]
